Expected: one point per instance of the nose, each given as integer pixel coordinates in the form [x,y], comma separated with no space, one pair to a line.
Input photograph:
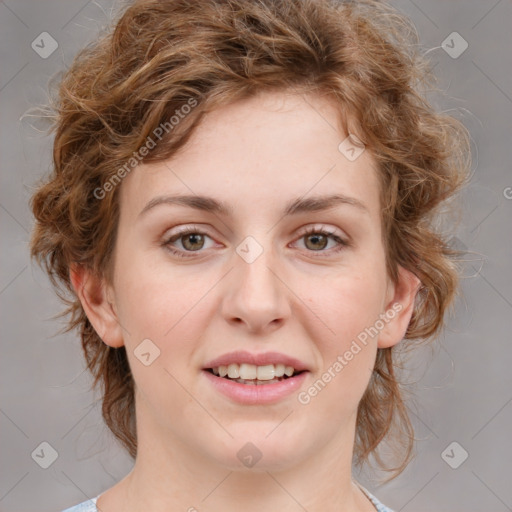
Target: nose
[256,296]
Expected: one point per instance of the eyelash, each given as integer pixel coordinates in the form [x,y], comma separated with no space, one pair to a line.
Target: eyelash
[342,244]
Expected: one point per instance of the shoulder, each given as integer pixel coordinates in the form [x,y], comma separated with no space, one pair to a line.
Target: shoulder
[380,507]
[86,506]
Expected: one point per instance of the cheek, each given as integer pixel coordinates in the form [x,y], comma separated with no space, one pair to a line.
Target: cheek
[348,302]
[156,297]
[169,310]
[350,307]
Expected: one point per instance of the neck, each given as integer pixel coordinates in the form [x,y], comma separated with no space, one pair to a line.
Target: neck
[169,476]
[195,487]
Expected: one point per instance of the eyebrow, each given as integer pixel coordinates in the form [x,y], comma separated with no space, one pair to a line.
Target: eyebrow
[294,207]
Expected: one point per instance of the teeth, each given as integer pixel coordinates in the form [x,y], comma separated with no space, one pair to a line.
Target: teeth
[265,372]
[279,370]
[258,382]
[233,371]
[246,371]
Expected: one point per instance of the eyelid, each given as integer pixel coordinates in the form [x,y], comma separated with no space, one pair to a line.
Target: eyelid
[316,228]
[188,228]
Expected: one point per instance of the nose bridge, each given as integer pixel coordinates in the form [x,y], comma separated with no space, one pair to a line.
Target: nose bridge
[256,297]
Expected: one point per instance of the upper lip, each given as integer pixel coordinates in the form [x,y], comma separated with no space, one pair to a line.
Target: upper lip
[265,358]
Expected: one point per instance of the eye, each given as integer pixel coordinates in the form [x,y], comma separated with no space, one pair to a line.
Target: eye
[191,239]
[317,239]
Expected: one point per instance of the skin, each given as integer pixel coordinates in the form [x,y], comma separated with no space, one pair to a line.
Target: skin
[255,155]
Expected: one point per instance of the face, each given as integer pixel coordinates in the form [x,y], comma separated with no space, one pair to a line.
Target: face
[265,279]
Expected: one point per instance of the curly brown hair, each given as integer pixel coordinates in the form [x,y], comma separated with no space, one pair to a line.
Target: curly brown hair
[161,53]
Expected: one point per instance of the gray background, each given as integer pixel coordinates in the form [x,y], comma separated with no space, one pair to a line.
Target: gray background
[462,385]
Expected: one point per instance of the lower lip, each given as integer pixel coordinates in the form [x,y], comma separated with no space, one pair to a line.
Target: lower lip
[256,394]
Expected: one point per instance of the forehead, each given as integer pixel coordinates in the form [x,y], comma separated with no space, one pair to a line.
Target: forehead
[260,152]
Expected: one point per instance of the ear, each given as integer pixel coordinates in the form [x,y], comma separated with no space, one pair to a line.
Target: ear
[96,296]
[399,308]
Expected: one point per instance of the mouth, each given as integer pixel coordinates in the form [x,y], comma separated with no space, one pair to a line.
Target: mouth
[250,384]
[255,379]
[253,375]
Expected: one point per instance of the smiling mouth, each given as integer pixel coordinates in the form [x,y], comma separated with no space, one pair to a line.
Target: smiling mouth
[254,375]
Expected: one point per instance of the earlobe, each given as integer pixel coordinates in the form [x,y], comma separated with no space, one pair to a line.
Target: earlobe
[95,296]
[399,309]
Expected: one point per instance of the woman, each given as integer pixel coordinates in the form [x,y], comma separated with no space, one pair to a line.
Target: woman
[241,209]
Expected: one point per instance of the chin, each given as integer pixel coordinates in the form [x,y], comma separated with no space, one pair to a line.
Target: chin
[256,451]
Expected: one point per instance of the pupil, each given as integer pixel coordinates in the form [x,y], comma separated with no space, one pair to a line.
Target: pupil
[317,237]
[194,238]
